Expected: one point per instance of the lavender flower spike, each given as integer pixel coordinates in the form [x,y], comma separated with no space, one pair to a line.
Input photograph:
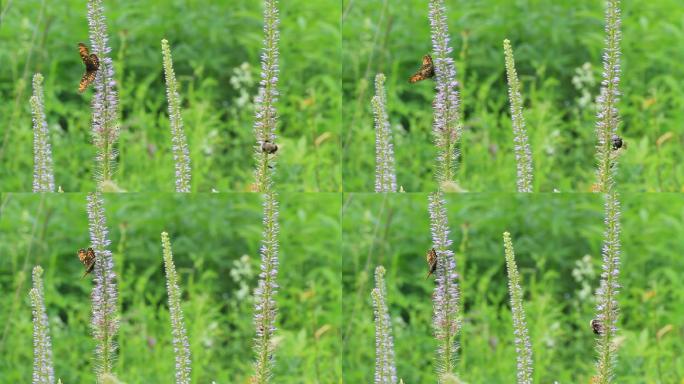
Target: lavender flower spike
[607,310]
[265,307]
[266,116]
[105,322]
[105,102]
[181,347]
[446,105]
[523,157]
[523,348]
[43,177]
[446,321]
[181,155]
[385,370]
[607,118]
[385,179]
[43,372]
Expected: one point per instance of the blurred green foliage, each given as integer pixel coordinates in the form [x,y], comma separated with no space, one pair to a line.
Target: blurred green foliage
[326,77]
[552,234]
[216,52]
[215,238]
[552,40]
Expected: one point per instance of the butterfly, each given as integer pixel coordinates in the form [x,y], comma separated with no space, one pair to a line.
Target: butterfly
[268,147]
[88,260]
[92,64]
[596,326]
[426,71]
[431,258]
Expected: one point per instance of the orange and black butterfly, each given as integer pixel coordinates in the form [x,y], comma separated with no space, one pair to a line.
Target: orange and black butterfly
[431,258]
[92,63]
[426,71]
[88,260]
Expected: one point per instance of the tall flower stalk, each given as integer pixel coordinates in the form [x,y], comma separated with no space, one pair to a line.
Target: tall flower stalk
[181,155]
[607,310]
[43,177]
[385,369]
[607,118]
[105,102]
[385,178]
[265,307]
[43,373]
[607,121]
[523,157]
[105,321]
[523,348]
[181,347]
[446,319]
[266,116]
[446,115]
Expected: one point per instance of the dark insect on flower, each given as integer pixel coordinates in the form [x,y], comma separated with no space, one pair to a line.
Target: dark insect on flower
[426,71]
[268,147]
[431,258]
[618,143]
[92,64]
[596,326]
[88,260]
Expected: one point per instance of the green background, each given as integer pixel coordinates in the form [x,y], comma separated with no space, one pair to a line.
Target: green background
[330,53]
[209,234]
[209,41]
[551,39]
[551,233]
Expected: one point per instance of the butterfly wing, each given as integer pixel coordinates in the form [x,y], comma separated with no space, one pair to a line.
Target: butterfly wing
[81,255]
[88,260]
[92,64]
[87,78]
[83,51]
[431,258]
[426,71]
[428,67]
[416,77]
